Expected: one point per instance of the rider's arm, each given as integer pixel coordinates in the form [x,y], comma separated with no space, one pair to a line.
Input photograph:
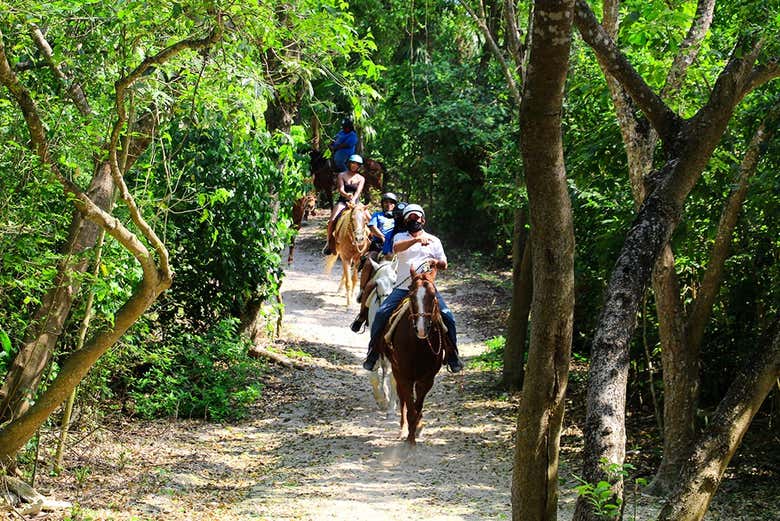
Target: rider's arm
[356,196]
[340,186]
[405,244]
[376,233]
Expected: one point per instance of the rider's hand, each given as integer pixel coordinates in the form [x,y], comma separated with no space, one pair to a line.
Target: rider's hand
[423,239]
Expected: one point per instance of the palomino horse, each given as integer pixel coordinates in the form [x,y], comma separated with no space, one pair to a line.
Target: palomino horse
[325,176]
[414,342]
[351,234]
[300,212]
[381,378]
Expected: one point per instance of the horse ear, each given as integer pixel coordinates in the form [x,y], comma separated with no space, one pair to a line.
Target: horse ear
[395,263]
[373,263]
[412,271]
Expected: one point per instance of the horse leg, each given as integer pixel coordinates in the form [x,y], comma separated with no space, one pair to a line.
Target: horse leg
[421,388]
[345,277]
[388,387]
[292,250]
[407,403]
[355,263]
[376,388]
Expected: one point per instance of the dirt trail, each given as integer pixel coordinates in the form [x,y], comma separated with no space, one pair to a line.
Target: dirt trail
[315,447]
[343,459]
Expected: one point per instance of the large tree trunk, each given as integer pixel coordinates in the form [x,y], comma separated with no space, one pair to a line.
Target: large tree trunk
[522,290]
[680,366]
[540,416]
[704,470]
[688,145]
[681,335]
[24,375]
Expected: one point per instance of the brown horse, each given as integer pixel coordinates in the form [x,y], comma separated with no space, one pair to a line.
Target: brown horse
[351,234]
[415,346]
[302,208]
[324,176]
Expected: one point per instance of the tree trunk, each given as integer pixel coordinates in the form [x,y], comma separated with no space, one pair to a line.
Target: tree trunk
[522,290]
[688,145]
[702,473]
[540,416]
[15,434]
[24,376]
[681,336]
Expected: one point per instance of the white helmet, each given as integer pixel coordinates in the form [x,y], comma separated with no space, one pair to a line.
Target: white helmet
[389,196]
[354,158]
[413,208]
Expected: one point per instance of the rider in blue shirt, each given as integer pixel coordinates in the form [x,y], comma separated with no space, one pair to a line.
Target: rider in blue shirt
[343,145]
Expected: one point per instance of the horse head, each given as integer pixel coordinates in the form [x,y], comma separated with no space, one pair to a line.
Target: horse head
[385,276]
[424,306]
[359,225]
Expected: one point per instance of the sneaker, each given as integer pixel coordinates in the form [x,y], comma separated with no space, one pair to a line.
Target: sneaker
[454,364]
[357,324]
[370,361]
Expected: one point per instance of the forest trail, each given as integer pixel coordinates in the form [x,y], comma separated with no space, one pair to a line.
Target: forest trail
[315,447]
[340,458]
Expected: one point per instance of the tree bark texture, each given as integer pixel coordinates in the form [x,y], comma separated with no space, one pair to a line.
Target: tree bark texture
[540,416]
[522,290]
[688,145]
[703,471]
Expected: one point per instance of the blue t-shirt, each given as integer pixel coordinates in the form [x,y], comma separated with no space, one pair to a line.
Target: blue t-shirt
[387,247]
[341,155]
[382,222]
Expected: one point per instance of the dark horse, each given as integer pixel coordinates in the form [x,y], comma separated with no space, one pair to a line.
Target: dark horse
[302,208]
[325,177]
[415,348]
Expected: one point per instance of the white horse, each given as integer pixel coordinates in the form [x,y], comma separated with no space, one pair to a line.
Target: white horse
[382,381]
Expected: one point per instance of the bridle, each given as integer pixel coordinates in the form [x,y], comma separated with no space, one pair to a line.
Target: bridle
[358,244]
[430,315]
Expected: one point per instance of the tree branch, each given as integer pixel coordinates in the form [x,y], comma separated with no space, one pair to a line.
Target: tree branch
[514,90]
[74,89]
[661,117]
[689,49]
[702,305]
[121,87]
[763,74]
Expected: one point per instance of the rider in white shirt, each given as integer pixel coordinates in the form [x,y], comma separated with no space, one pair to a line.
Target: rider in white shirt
[413,249]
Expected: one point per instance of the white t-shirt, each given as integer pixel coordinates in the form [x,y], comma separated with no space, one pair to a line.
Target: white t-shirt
[417,253]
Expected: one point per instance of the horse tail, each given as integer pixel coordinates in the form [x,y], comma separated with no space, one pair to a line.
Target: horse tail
[329,262]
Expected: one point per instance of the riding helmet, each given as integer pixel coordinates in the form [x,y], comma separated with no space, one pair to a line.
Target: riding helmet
[398,211]
[354,158]
[413,208]
[389,196]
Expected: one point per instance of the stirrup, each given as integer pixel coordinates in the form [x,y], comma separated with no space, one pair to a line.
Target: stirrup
[454,366]
[358,325]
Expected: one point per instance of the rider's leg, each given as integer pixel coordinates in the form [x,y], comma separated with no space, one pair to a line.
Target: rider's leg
[363,313]
[453,360]
[378,326]
[329,246]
